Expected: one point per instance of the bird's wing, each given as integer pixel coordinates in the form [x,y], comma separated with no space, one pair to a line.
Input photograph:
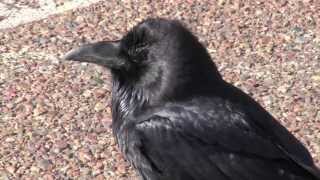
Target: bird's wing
[266,125]
[192,143]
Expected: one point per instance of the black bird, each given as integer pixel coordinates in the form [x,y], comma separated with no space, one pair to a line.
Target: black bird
[175,118]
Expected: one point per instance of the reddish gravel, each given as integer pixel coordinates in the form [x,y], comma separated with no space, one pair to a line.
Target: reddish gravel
[55,116]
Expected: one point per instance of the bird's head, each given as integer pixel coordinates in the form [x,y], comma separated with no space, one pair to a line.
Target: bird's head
[158,55]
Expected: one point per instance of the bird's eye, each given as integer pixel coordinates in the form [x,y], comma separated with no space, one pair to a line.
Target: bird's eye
[136,49]
[140,46]
[138,52]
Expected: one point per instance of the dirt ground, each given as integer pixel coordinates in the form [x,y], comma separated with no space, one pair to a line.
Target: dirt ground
[55,116]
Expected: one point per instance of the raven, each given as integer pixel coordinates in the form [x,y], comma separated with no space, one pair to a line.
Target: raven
[175,118]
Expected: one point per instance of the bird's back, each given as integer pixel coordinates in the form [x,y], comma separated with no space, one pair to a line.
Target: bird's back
[208,137]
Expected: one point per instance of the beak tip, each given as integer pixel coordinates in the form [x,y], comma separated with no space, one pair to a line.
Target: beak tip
[66,57]
[70,55]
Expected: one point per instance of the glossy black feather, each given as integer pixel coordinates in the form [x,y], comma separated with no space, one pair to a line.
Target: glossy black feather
[211,141]
[175,118]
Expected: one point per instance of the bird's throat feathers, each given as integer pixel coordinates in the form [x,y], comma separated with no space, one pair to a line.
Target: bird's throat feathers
[126,99]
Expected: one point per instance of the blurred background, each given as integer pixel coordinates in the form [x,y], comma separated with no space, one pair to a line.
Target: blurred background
[55,116]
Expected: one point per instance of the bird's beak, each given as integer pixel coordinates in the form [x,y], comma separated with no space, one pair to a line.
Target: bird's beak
[102,53]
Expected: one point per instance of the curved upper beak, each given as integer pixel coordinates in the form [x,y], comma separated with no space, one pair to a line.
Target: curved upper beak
[105,53]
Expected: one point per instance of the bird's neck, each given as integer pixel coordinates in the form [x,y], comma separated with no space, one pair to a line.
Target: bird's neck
[126,100]
[130,95]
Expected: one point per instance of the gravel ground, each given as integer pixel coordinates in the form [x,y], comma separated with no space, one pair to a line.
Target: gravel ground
[55,115]
[15,12]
